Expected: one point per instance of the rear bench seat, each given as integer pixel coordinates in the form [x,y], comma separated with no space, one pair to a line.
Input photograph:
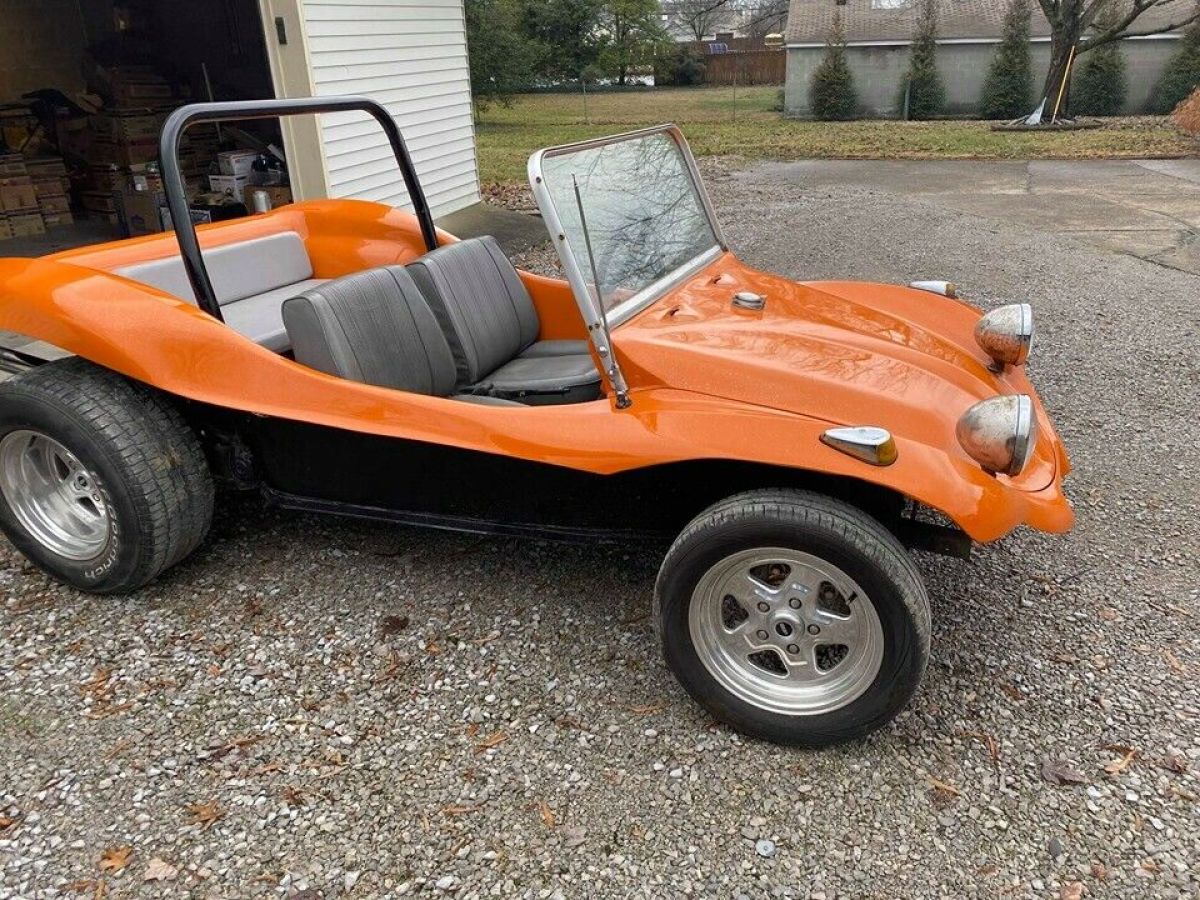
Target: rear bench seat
[251,278]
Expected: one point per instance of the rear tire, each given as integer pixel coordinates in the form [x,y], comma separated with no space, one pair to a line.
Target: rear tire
[793,617]
[102,483]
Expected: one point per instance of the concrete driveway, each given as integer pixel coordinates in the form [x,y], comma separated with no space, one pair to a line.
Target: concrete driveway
[1146,208]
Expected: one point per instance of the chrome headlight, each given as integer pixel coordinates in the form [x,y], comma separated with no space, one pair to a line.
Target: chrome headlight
[1006,334]
[999,433]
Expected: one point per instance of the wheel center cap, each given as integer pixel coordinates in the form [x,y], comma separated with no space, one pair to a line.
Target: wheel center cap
[784,629]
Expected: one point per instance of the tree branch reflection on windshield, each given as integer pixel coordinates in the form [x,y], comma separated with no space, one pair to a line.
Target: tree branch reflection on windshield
[643,212]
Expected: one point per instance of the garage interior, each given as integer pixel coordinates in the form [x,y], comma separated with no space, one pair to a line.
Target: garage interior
[85,86]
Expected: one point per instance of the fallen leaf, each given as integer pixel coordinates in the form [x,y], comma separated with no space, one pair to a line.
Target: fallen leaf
[1108,614]
[206,814]
[6,822]
[393,624]
[987,871]
[1117,766]
[293,796]
[158,870]
[1099,871]
[97,685]
[91,886]
[114,859]
[1057,771]
[459,809]
[649,709]
[1066,659]
[547,814]
[988,741]
[1013,692]
[1173,661]
[1071,891]
[433,648]
[493,740]
[943,788]
[1174,761]
[214,669]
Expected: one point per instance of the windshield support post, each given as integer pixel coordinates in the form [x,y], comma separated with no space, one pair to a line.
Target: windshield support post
[605,349]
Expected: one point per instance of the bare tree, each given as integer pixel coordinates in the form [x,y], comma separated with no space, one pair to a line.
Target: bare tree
[1070,20]
[763,17]
[700,17]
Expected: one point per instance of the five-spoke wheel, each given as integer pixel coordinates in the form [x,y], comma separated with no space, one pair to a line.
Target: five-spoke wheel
[793,617]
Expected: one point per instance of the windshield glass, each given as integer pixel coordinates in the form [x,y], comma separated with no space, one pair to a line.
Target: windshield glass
[644,214]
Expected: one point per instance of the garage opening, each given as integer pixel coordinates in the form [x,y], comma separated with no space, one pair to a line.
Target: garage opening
[85,86]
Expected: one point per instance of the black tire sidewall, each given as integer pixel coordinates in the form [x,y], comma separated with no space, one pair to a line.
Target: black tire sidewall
[903,654]
[120,559]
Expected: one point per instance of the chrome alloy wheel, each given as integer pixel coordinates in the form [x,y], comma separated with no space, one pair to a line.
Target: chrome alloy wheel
[53,495]
[786,631]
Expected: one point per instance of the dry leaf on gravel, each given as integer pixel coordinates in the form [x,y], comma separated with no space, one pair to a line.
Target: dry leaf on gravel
[1057,771]
[1173,661]
[493,740]
[1175,762]
[94,886]
[6,822]
[206,814]
[1117,766]
[1071,891]
[158,870]
[944,788]
[547,814]
[650,709]
[459,809]
[114,859]
[1099,871]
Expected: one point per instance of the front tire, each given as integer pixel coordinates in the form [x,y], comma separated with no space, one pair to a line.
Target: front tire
[102,483]
[793,617]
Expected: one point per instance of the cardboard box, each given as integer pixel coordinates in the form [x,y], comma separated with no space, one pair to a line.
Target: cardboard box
[58,219]
[27,224]
[18,194]
[124,153]
[104,202]
[139,211]
[126,127]
[228,184]
[12,164]
[51,187]
[53,205]
[5,229]
[236,162]
[198,216]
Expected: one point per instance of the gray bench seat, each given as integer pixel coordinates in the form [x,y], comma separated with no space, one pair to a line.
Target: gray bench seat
[251,278]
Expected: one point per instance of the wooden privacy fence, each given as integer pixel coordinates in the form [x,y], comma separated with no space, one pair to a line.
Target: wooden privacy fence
[752,67]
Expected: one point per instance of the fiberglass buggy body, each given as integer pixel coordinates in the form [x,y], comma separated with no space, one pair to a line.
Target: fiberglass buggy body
[346,357]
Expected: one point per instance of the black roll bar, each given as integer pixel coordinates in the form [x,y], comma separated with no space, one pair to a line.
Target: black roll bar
[176,190]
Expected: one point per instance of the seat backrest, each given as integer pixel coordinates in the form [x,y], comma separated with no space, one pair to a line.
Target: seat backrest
[375,327]
[480,302]
[237,270]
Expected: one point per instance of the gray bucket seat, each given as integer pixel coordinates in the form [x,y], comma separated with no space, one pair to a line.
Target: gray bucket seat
[492,326]
[375,327]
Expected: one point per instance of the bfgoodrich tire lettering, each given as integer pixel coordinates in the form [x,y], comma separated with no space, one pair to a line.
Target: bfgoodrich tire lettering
[851,545]
[144,462]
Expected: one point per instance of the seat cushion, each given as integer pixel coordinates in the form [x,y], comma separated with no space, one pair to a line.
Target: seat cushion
[555,348]
[240,270]
[260,318]
[558,378]
[486,313]
[372,326]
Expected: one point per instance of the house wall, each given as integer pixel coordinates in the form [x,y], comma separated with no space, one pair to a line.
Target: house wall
[411,56]
[879,72]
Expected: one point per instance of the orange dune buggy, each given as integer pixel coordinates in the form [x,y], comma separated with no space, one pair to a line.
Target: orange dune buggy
[341,356]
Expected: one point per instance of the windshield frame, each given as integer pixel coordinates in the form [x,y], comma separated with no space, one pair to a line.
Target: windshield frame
[589,306]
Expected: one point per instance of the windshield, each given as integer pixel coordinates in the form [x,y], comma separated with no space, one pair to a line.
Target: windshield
[645,216]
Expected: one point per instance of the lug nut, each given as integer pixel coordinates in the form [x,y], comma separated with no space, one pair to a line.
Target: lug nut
[813,629]
[764,607]
[794,603]
[762,635]
[793,649]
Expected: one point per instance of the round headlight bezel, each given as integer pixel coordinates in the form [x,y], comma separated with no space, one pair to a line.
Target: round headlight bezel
[1006,334]
[999,433]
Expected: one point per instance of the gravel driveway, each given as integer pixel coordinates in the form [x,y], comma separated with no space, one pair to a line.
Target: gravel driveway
[335,709]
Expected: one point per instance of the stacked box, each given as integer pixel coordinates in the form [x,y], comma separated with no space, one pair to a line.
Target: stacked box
[53,189]
[18,198]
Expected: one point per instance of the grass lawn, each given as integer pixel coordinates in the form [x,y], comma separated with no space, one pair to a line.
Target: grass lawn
[717,125]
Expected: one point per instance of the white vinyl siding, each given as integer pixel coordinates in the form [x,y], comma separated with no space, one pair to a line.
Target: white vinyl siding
[411,56]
